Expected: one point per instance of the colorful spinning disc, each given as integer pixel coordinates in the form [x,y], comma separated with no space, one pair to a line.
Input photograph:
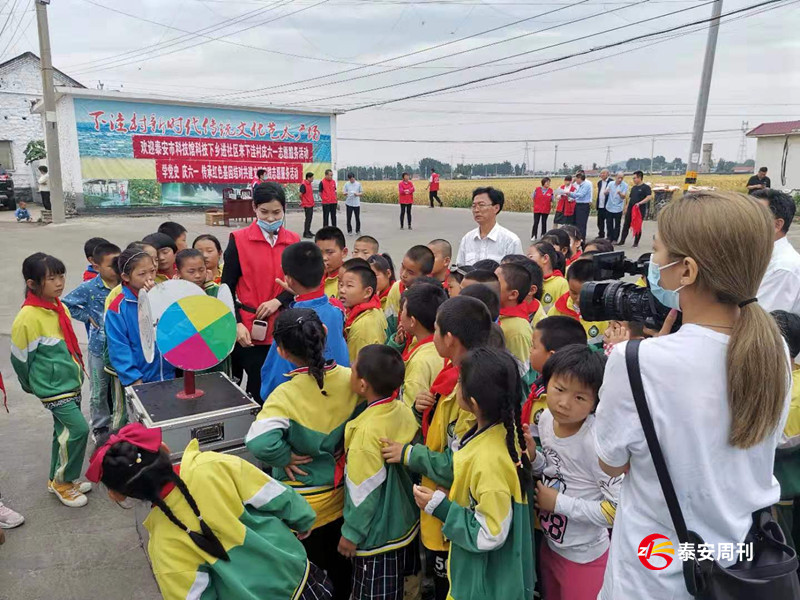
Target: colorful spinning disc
[196,333]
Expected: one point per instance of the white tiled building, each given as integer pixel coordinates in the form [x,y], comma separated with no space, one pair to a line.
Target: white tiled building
[20,88]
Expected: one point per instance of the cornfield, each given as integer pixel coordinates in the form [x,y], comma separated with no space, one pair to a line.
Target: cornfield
[458,192]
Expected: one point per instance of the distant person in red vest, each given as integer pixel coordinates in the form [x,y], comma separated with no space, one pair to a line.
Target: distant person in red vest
[252,266]
[433,188]
[327,192]
[307,202]
[405,191]
[260,175]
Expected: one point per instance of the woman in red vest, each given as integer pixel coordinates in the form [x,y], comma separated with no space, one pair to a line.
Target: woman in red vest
[406,196]
[252,265]
[307,202]
[542,203]
[327,192]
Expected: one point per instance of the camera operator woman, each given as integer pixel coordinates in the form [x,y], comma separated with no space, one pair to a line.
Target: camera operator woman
[718,391]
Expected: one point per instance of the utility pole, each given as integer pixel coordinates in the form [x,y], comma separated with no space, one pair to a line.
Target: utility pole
[743,143]
[608,156]
[702,99]
[555,159]
[534,160]
[652,151]
[50,124]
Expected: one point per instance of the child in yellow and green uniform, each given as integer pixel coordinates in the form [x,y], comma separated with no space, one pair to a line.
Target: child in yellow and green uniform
[554,285]
[532,300]
[515,284]
[330,240]
[300,433]
[116,291]
[380,518]
[417,262]
[166,249]
[48,363]
[418,319]
[219,526]
[462,323]
[382,266]
[365,322]
[486,515]
[568,305]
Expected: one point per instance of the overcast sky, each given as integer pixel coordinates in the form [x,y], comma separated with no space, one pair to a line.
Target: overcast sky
[277,46]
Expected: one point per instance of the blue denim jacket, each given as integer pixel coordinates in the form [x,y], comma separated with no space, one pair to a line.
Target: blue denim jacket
[85,302]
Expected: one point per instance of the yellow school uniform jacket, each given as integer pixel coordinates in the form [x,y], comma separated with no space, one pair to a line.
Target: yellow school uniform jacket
[422,367]
[380,514]
[553,288]
[115,291]
[298,418]
[332,286]
[368,328]
[433,459]
[252,515]
[538,316]
[594,329]
[487,520]
[518,334]
[392,309]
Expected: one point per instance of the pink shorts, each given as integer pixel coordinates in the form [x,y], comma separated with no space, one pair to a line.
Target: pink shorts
[563,579]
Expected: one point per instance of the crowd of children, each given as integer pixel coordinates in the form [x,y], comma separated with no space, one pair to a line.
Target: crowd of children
[436,420]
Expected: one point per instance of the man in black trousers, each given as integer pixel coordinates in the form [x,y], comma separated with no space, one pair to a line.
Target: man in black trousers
[602,183]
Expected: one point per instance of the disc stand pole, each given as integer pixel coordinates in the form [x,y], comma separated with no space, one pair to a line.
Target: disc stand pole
[189,392]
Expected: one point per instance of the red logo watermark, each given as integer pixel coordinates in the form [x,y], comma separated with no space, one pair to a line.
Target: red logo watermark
[655,554]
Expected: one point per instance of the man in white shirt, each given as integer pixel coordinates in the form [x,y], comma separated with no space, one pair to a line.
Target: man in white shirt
[780,287]
[352,200]
[489,239]
[602,183]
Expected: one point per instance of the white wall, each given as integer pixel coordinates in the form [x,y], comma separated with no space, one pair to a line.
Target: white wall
[769,153]
[20,86]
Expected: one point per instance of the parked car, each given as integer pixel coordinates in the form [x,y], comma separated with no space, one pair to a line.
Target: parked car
[7,191]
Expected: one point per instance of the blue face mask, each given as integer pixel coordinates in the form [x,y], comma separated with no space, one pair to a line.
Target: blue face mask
[669,298]
[271,228]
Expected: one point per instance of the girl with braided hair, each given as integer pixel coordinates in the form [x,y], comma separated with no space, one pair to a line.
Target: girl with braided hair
[300,434]
[486,516]
[214,517]
[577,501]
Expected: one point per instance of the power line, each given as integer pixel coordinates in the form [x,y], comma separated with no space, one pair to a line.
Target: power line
[414,53]
[8,18]
[15,32]
[211,38]
[530,140]
[527,52]
[563,58]
[144,57]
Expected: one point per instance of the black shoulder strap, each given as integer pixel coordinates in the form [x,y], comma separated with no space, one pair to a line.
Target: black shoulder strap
[635,377]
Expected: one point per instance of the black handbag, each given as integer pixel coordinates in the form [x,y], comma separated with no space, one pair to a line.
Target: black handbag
[771,573]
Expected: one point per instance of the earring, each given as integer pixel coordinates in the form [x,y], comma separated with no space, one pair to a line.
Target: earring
[138,458]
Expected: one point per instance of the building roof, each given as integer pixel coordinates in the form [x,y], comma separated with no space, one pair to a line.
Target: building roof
[31,56]
[777,128]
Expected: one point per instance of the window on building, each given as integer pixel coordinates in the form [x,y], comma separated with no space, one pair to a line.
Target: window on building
[6,157]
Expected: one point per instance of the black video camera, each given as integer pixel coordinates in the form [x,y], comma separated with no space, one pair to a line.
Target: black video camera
[607,299]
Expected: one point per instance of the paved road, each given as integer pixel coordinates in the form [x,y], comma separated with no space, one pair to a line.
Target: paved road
[95,552]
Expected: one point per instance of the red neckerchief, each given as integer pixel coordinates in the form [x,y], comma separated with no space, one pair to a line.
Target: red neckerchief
[537,389]
[303,370]
[563,308]
[520,310]
[334,275]
[64,322]
[171,485]
[409,350]
[532,307]
[402,287]
[384,293]
[359,309]
[574,257]
[555,273]
[338,470]
[443,385]
[318,293]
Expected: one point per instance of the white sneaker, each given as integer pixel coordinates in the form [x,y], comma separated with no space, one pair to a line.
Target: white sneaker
[69,494]
[9,518]
[84,487]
